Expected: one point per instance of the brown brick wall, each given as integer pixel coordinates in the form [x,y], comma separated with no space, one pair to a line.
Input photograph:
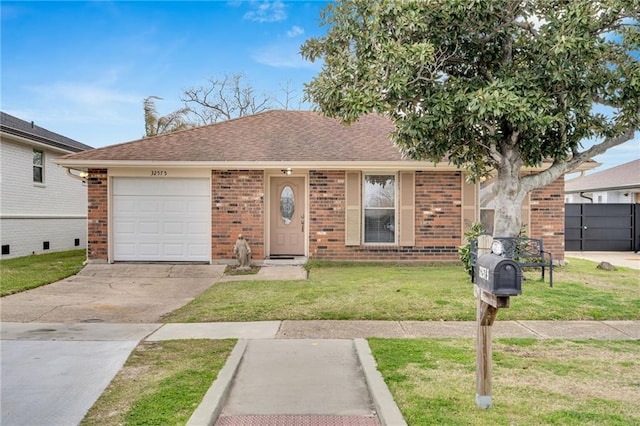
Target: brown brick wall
[237,207]
[97,215]
[437,219]
[547,217]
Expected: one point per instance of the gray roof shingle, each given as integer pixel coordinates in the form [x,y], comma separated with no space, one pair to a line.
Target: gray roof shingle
[624,176]
[277,135]
[18,127]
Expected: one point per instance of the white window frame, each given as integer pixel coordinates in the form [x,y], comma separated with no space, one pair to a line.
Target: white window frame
[365,208]
[41,166]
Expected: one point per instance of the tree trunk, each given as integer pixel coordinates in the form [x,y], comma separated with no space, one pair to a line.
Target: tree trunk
[509,195]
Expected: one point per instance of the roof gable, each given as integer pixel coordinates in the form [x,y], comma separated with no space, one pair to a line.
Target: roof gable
[17,127]
[624,176]
[275,135]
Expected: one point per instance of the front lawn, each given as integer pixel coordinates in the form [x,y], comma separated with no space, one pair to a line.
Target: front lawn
[534,382]
[423,293]
[24,273]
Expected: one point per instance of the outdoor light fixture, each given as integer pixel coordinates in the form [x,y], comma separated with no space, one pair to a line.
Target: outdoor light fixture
[80,174]
[286,171]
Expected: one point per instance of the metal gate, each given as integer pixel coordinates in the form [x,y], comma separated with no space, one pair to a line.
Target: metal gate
[602,227]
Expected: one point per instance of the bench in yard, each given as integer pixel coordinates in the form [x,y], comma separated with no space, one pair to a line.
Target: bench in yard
[527,252]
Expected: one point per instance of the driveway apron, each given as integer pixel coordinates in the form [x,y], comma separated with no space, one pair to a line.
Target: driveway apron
[53,373]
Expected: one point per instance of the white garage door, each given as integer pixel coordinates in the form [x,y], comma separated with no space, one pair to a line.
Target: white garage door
[161,220]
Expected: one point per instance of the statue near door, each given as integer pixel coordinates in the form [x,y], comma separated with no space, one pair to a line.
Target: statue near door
[242,252]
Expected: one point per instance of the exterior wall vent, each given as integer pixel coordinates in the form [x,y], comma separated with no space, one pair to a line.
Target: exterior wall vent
[6,249]
[45,245]
[76,242]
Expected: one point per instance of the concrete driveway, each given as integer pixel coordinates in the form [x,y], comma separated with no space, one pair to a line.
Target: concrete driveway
[118,293]
[627,259]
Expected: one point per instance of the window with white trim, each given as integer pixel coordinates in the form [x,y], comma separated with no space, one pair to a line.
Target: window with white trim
[379,212]
[38,166]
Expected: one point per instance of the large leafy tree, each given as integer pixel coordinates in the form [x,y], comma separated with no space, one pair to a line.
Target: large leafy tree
[490,85]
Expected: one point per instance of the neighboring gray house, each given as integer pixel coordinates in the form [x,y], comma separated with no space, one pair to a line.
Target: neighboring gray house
[617,185]
[42,208]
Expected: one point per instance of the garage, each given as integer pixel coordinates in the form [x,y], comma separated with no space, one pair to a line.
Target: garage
[161,219]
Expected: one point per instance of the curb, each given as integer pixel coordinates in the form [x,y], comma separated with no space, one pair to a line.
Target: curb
[209,409]
[388,412]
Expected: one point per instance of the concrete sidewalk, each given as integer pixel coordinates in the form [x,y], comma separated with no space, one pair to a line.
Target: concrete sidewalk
[312,359]
[602,330]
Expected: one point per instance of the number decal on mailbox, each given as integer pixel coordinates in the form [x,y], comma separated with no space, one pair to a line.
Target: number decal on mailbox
[483,272]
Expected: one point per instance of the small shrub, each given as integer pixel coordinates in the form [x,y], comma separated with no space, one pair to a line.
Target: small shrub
[464,251]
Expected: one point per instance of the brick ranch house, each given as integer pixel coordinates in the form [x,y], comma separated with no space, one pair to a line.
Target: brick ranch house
[294,183]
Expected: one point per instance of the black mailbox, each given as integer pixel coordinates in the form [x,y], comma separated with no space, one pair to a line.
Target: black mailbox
[499,276]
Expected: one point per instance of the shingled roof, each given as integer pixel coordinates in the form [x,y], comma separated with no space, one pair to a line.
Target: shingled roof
[272,136]
[623,177]
[17,127]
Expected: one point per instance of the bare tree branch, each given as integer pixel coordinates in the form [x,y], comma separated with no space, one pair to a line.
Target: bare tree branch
[226,98]
[559,168]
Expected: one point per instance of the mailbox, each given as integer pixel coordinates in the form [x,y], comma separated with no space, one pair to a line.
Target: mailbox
[498,275]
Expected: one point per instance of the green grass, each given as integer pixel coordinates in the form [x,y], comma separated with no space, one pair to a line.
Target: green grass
[534,382]
[162,383]
[421,292]
[24,273]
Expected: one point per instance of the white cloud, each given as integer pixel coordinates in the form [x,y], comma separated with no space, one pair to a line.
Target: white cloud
[295,31]
[282,55]
[85,94]
[266,11]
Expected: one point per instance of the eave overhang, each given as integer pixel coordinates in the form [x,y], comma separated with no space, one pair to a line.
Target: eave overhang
[85,165]
[35,141]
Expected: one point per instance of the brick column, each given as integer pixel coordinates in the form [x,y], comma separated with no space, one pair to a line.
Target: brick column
[547,217]
[97,216]
[237,207]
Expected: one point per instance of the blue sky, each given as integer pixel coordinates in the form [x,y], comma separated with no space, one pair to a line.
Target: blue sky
[82,69]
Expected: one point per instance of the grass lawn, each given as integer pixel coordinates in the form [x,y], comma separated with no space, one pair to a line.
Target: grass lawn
[432,292]
[162,383]
[534,382]
[24,273]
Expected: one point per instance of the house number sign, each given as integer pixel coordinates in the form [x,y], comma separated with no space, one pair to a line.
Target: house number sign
[158,173]
[483,272]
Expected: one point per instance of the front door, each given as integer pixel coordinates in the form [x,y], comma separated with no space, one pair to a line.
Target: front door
[287,216]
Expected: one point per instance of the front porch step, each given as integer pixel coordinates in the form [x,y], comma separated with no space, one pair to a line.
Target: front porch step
[285,261]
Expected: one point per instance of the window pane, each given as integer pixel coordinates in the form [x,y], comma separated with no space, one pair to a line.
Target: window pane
[487,204]
[486,219]
[37,158]
[287,205]
[379,191]
[37,174]
[379,226]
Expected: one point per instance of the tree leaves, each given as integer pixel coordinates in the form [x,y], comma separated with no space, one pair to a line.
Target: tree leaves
[488,73]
